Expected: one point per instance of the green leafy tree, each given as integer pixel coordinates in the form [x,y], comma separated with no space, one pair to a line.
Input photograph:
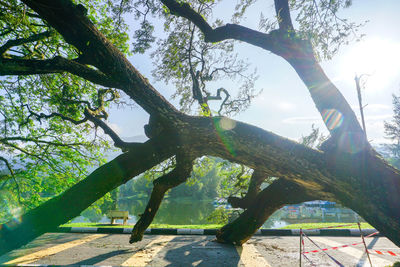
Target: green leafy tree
[392,131]
[46,141]
[64,63]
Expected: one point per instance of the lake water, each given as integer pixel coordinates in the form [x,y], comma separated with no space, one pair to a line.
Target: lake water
[188,212]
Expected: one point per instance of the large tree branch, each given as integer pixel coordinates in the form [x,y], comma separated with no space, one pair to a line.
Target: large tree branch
[256,180]
[16,66]
[172,179]
[312,170]
[283,14]
[21,41]
[228,31]
[118,142]
[71,22]
[73,201]
[333,107]
[275,196]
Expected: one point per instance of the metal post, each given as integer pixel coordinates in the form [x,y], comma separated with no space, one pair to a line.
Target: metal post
[365,245]
[357,79]
[301,242]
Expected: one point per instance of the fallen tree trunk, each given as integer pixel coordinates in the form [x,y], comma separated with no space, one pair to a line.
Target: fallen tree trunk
[359,179]
[362,182]
[46,217]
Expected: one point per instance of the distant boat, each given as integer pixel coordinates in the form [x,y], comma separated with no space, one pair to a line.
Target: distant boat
[221,202]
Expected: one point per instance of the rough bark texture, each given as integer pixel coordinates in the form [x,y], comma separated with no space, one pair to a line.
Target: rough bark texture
[257,178]
[161,186]
[72,202]
[357,177]
[275,196]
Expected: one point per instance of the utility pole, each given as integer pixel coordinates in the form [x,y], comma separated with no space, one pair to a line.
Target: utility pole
[358,87]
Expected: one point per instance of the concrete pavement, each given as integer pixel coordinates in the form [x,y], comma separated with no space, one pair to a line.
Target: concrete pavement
[194,250]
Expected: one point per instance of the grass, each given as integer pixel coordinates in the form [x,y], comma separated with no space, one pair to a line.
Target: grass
[154,225]
[217,226]
[324,225]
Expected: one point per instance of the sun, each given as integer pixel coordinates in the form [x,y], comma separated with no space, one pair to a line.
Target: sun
[378,59]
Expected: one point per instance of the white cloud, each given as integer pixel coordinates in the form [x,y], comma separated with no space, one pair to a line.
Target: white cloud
[383,117]
[286,106]
[372,107]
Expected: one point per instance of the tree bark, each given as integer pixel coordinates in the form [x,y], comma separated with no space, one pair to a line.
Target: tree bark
[256,180]
[272,198]
[161,186]
[359,178]
[60,209]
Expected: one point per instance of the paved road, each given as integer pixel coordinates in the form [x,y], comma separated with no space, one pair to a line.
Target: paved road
[164,250]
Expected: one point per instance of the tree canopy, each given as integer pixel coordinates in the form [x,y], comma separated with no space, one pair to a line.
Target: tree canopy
[63,64]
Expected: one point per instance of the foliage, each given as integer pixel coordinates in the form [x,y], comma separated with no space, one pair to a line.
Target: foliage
[204,182]
[46,145]
[314,139]
[320,22]
[220,215]
[392,132]
[194,66]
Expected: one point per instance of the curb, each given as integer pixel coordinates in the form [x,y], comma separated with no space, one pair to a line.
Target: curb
[260,232]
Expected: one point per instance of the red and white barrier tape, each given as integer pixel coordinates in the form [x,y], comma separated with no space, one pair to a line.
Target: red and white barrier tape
[343,246]
[372,234]
[325,249]
[332,258]
[384,252]
[333,226]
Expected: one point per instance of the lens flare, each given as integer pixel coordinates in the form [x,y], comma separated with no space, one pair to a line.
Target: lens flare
[11,211]
[332,118]
[223,126]
[351,142]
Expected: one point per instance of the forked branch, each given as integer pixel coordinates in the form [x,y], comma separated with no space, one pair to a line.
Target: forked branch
[257,178]
[161,186]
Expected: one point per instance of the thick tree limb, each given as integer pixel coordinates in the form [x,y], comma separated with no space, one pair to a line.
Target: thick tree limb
[275,196]
[375,186]
[71,22]
[73,201]
[299,53]
[161,186]
[17,66]
[361,181]
[118,142]
[256,180]
[228,31]
[283,14]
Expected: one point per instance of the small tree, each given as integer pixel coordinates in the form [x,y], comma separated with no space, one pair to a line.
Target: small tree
[392,131]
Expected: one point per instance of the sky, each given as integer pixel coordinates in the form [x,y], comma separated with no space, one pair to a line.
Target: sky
[285,106]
